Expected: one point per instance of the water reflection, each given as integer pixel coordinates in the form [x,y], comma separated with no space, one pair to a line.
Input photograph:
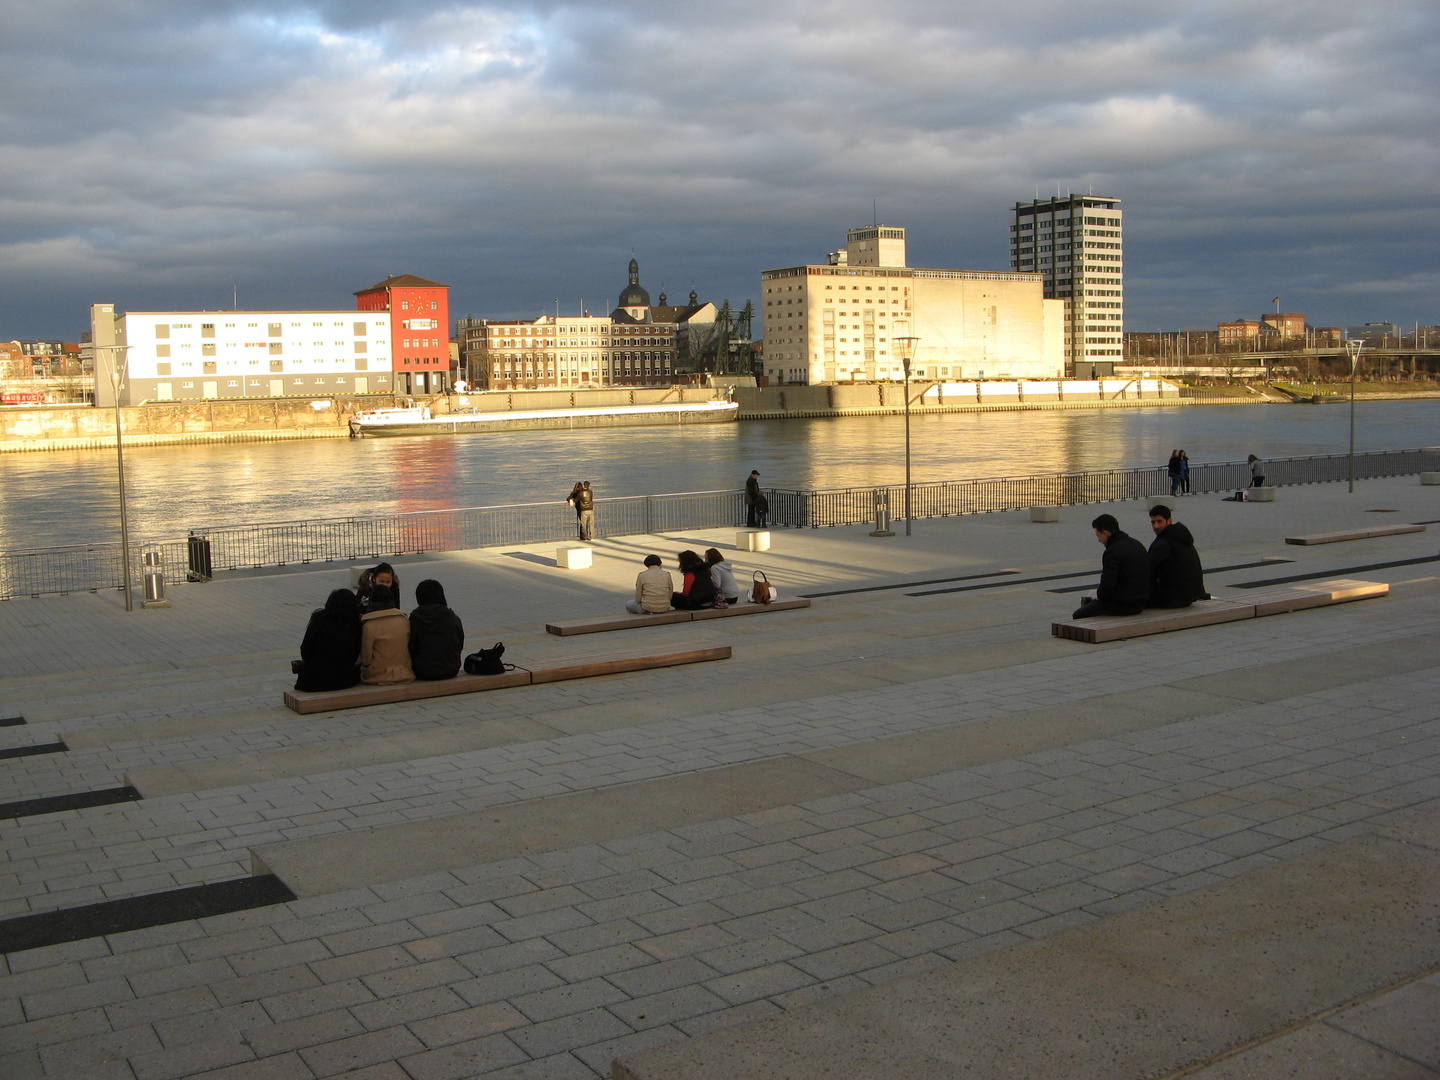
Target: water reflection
[68,497]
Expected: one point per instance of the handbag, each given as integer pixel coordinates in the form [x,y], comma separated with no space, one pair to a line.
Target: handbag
[760,591]
[487,661]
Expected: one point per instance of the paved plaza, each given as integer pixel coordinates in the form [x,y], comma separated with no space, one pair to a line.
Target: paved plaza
[896,785]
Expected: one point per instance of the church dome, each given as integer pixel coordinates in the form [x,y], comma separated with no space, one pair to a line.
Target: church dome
[633,295]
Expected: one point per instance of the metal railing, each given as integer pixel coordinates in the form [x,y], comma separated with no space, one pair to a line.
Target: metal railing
[207,551]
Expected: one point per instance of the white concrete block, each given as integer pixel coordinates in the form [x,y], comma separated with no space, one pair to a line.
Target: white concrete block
[1262,494]
[753,539]
[1430,479]
[574,557]
[1044,513]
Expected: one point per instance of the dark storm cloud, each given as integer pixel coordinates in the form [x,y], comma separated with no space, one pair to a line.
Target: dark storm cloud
[157,153]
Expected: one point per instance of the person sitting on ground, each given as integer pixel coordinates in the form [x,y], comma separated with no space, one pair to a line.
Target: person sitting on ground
[1176,578]
[384,641]
[723,575]
[1124,573]
[380,574]
[330,653]
[698,589]
[437,637]
[653,589]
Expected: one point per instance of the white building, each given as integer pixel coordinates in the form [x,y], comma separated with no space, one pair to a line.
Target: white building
[839,321]
[1077,244]
[221,355]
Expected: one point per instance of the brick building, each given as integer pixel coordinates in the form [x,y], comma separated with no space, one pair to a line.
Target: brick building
[419,312]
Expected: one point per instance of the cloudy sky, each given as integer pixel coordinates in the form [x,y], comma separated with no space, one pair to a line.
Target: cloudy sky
[158,153]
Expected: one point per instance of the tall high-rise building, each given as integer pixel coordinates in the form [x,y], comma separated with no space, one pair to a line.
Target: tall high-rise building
[1077,243]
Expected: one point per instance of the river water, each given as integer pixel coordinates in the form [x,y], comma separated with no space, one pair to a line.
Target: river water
[69,497]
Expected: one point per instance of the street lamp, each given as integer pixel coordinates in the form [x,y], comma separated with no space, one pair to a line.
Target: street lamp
[117,383]
[1352,349]
[907,353]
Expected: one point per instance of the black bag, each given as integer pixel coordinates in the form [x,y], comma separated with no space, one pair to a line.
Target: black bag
[487,661]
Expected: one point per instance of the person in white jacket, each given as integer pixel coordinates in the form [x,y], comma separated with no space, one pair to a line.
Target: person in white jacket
[653,587]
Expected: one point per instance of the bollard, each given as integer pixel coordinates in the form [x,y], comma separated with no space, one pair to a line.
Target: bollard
[882,514]
[154,581]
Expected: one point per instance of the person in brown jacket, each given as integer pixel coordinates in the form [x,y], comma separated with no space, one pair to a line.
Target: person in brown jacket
[384,641]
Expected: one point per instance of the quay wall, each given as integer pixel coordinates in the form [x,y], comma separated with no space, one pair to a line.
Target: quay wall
[162,423]
[882,399]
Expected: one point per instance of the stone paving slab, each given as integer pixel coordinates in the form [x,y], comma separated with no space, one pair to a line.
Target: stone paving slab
[1141,994]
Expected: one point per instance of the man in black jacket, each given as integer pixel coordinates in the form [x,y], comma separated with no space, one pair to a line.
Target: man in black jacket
[752,499]
[1176,578]
[1124,573]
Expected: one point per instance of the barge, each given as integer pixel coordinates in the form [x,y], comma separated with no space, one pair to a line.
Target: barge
[420,421]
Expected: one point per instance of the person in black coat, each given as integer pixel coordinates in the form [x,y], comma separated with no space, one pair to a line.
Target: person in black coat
[698,590]
[1124,573]
[330,653]
[1176,577]
[437,638]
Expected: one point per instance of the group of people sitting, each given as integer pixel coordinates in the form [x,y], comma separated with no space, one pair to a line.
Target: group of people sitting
[1169,575]
[362,636]
[705,583]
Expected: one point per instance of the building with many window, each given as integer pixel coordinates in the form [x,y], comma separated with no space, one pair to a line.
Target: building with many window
[215,355]
[419,311]
[629,347]
[839,321]
[1076,243]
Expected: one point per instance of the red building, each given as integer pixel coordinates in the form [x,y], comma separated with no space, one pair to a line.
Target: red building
[419,330]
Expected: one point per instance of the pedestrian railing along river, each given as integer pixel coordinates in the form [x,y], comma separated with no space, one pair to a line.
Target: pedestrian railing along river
[208,551]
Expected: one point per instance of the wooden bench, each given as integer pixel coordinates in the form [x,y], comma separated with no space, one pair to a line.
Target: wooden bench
[534,673]
[1311,539]
[601,623]
[1211,612]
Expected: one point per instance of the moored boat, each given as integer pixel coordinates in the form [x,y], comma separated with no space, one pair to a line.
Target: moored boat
[420,421]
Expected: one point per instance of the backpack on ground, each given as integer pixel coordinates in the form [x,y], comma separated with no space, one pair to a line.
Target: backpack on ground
[488,662]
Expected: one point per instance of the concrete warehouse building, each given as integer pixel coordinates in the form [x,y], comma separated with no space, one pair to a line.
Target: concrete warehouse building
[837,321]
[210,355]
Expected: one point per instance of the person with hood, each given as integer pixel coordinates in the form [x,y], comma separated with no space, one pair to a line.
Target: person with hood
[1173,467]
[330,652]
[384,641]
[1176,577]
[437,637]
[1124,573]
[698,588]
[723,575]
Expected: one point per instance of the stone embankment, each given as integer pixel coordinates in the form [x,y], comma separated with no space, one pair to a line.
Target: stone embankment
[881,399]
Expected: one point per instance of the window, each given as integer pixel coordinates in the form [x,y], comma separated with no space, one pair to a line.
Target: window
[162,369]
[404,305]
[359,329]
[276,348]
[277,365]
[434,305]
[209,366]
[162,330]
[361,347]
[207,329]
[207,350]
[274,329]
[162,350]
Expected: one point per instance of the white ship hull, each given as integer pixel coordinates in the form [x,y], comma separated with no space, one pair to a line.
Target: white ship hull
[390,422]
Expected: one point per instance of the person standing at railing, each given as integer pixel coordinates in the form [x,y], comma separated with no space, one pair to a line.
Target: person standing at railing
[752,499]
[585,507]
[1184,473]
[573,500]
[1257,472]
[1173,467]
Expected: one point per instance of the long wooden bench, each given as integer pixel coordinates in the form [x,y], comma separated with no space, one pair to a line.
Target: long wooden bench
[1312,539]
[1210,612]
[539,671]
[601,623]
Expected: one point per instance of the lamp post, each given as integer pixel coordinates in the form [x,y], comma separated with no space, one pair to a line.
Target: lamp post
[907,353]
[117,382]
[1352,349]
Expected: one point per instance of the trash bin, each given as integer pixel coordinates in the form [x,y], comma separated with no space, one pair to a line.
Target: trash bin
[882,513]
[154,581]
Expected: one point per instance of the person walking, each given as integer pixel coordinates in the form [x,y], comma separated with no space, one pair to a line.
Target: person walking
[585,507]
[1184,473]
[752,498]
[1173,468]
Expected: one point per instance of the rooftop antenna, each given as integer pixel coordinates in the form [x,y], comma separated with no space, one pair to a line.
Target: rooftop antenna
[874,211]
[235,297]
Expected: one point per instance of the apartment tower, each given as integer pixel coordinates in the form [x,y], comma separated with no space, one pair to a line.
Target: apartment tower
[1077,244]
